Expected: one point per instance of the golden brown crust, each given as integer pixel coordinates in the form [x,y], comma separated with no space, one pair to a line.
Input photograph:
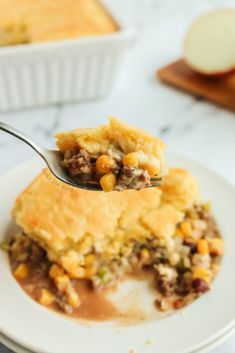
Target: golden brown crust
[162,221]
[118,137]
[69,222]
[52,20]
[180,189]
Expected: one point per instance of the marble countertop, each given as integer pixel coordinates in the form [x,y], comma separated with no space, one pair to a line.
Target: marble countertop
[188,125]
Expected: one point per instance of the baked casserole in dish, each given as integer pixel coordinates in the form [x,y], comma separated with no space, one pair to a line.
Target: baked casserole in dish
[26,21]
[58,51]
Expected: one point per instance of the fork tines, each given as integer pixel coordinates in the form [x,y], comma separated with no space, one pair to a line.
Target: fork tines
[156,182]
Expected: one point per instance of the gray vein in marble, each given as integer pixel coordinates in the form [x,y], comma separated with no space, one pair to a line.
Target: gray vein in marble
[178,127]
[186,128]
[165,130]
[49,131]
[212,111]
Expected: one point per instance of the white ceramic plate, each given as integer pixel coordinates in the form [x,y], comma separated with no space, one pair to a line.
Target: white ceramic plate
[207,348]
[13,345]
[43,331]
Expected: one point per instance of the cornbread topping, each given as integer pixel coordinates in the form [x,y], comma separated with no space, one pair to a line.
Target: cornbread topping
[27,21]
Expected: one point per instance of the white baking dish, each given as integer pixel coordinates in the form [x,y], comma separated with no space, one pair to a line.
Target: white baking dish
[61,71]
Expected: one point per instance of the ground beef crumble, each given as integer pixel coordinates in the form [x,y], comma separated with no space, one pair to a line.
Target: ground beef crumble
[135,178]
[79,163]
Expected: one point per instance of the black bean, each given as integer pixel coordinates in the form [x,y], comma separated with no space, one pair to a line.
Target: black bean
[199,285]
[191,245]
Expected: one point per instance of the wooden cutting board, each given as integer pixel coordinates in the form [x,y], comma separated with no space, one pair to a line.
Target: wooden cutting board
[219,90]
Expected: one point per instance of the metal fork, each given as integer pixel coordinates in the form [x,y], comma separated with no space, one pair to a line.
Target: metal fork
[53,159]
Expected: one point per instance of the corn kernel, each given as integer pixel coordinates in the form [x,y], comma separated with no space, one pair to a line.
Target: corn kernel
[163,304]
[215,268]
[62,282]
[78,272]
[174,258]
[186,263]
[105,164]
[151,169]
[73,298]
[46,297]
[108,182]
[90,271]
[193,215]
[22,271]
[199,225]
[144,255]
[4,246]
[85,245]
[55,271]
[203,247]
[186,228]
[192,238]
[216,246]
[131,160]
[201,273]
[207,206]
[89,259]
[161,242]
[179,233]
[115,245]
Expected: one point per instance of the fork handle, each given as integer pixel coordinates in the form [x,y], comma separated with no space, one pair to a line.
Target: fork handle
[21,136]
